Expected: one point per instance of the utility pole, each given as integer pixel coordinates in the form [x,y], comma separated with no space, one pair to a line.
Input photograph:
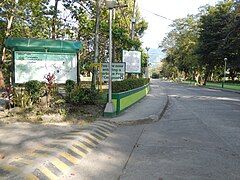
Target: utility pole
[133,20]
[146,68]
[54,19]
[96,42]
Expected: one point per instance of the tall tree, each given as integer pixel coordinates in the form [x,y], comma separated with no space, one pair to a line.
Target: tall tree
[23,18]
[232,41]
[180,44]
[7,10]
[96,41]
[212,36]
[198,44]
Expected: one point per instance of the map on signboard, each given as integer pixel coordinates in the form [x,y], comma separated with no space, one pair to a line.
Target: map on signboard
[118,71]
[36,65]
[133,61]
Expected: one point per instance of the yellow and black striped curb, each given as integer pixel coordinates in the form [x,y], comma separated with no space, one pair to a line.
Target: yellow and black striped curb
[50,161]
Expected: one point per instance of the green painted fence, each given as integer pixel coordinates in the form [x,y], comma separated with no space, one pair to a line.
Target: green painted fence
[126,99]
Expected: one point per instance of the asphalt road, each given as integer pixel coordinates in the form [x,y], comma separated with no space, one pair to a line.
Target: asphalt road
[197,138]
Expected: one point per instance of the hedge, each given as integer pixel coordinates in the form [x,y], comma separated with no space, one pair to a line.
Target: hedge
[128,84]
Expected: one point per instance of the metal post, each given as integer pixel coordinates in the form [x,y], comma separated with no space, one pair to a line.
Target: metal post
[133,21]
[146,68]
[110,57]
[225,69]
[109,109]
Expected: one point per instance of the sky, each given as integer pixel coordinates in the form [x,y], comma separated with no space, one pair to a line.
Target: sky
[158,27]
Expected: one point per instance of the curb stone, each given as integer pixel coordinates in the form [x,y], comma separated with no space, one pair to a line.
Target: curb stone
[148,120]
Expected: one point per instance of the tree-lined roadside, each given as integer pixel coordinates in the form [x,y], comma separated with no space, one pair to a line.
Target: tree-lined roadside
[197,45]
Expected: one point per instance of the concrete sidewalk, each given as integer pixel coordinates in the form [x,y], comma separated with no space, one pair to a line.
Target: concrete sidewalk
[147,110]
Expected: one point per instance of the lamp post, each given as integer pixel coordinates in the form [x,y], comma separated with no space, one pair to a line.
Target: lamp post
[109,109]
[225,69]
[146,69]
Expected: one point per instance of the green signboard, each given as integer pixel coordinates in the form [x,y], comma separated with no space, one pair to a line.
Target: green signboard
[118,71]
[40,56]
[36,65]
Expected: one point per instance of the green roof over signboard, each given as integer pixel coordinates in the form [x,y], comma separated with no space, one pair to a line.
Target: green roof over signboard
[43,45]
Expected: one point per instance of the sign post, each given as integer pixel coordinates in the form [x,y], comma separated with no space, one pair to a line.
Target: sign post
[133,61]
[118,71]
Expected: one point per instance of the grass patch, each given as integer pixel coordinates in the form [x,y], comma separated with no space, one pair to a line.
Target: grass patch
[227,85]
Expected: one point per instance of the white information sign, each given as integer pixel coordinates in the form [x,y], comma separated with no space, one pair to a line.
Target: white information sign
[133,61]
[118,71]
[36,65]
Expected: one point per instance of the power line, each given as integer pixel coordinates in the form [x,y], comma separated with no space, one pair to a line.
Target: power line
[158,15]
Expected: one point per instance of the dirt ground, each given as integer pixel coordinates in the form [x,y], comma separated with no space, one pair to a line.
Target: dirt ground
[70,114]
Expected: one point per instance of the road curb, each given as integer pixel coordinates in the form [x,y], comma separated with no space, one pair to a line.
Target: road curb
[148,120]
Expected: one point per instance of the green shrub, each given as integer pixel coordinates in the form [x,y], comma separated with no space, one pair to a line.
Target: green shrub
[21,98]
[69,86]
[155,75]
[233,82]
[35,89]
[84,96]
[128,84]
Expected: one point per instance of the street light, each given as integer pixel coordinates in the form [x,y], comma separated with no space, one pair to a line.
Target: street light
[146,69]
[109,109]
[225,69]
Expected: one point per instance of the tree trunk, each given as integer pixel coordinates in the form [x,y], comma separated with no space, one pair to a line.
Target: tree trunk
[193,75]
[197,78]
[9,25]
[54,19]
[232,74]
[96,43]
[206,76]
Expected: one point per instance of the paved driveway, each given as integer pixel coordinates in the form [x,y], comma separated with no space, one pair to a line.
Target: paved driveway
[197,138]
